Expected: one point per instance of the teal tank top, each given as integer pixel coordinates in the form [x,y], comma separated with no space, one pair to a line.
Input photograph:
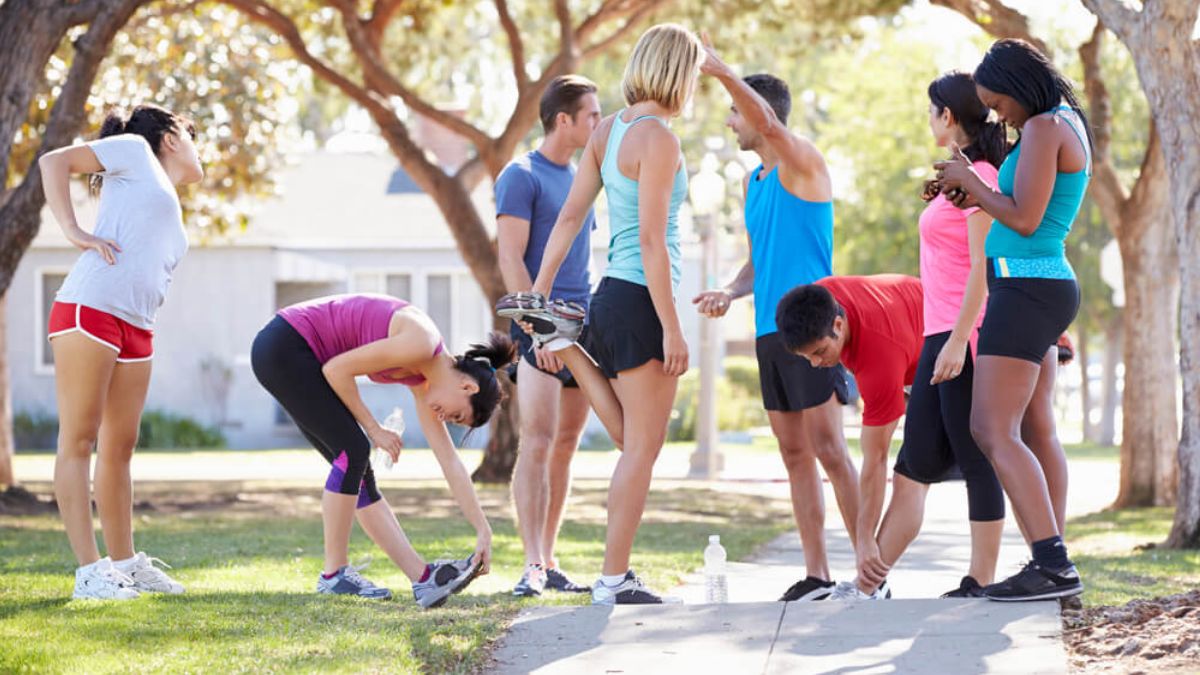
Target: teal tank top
[1043,253]
[791,243]
[624,246]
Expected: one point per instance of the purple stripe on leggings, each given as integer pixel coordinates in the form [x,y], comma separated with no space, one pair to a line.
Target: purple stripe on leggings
[337,474]
[364,499]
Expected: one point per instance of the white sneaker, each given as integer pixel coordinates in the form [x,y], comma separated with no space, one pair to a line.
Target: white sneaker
[848,591]
[101,581]
[146,577]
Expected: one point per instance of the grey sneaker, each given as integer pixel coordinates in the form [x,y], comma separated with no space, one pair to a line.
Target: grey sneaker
[348,581]
[445,578]
[550,319]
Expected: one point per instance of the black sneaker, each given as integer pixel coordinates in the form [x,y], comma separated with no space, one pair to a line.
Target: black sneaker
[631,591]
[967,588]
[808,589]
[1035,582]
[556,580]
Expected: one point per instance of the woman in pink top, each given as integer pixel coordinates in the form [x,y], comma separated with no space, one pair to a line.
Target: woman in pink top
[937,430]
[308,357]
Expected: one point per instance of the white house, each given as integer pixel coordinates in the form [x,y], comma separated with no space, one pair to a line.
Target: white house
[346,222]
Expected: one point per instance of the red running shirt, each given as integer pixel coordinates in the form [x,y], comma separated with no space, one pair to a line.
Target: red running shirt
[884,312]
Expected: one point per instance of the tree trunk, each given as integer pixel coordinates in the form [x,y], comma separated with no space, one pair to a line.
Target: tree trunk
[1085,388]
[1150,428]
[7,477]
[1114,338]
[504,432]
[1168,65]
[20,208]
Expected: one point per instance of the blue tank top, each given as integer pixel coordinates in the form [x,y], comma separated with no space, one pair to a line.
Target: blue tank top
[1047,243]
[791,243]
[624,245]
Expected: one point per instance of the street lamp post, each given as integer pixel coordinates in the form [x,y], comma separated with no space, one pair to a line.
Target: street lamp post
[706,195]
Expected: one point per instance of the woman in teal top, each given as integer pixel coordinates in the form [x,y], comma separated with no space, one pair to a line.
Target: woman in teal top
[633,327]
[1032,298]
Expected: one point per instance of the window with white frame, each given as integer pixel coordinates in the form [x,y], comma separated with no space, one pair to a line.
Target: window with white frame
[439,289]
[48,285]
[399,286]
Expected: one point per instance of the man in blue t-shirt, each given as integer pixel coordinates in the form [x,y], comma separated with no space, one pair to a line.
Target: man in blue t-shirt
[529,194]
[789,222]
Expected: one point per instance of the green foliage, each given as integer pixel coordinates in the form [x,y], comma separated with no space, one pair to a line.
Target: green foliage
[168,431]
[232,78]
[35,431]
[739,401]
[158,430]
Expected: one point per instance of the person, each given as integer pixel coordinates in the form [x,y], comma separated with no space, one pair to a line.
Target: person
[789,224]
[634,330]
[873,326]
[937,427]
[308,356]
[529,194]
[1032,299]
[101,330]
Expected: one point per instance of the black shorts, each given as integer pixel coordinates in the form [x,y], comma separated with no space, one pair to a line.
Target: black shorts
[1025,316]
[524,345]
[623,329]
[790,383]
[937,435]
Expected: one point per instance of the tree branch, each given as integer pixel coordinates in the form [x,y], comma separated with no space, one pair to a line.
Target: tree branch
[1119,17]
[634,19]
[567,37]
[1150,190]
[382,12]
[378,77]
[263,14]
[996,19]
[1099,105]
[516,46]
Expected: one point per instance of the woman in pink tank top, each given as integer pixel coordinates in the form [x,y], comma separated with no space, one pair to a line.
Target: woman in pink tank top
[937,435]
[308,357]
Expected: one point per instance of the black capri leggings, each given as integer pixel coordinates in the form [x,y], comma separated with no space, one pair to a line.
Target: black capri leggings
[287,368]
[937,435]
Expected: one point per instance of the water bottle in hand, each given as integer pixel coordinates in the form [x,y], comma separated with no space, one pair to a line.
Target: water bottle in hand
[716,588]
[381,460]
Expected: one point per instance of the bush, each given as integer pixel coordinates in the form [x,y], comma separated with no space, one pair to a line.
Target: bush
[739,400]
[166,431]
[159,430]
[35,431]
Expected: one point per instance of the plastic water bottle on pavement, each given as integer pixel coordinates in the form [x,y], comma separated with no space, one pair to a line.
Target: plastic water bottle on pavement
[716,588]
[381,460]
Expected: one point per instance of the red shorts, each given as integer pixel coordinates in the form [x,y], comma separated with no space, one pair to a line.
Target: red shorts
[127,340]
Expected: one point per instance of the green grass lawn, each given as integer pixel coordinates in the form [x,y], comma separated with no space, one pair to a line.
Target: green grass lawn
[250,556]
[1105,545]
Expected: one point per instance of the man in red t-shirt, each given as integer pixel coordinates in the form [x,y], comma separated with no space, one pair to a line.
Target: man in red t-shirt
[873,326]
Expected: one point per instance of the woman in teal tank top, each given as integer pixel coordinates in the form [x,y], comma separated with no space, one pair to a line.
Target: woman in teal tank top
[1032,299]
[633,328]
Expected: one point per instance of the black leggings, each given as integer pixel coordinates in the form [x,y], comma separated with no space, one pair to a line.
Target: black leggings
[937,435]
[287,368]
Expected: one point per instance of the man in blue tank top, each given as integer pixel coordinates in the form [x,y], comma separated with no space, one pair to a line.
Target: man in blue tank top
[789,222]
[529,194]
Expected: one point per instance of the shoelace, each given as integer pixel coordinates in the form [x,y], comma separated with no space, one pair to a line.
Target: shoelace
[111,573]
[352,573]
[845,589]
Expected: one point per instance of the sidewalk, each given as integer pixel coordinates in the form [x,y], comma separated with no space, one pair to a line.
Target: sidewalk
[913,633]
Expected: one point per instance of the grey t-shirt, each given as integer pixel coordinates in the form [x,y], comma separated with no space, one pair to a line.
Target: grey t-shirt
[139,209]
